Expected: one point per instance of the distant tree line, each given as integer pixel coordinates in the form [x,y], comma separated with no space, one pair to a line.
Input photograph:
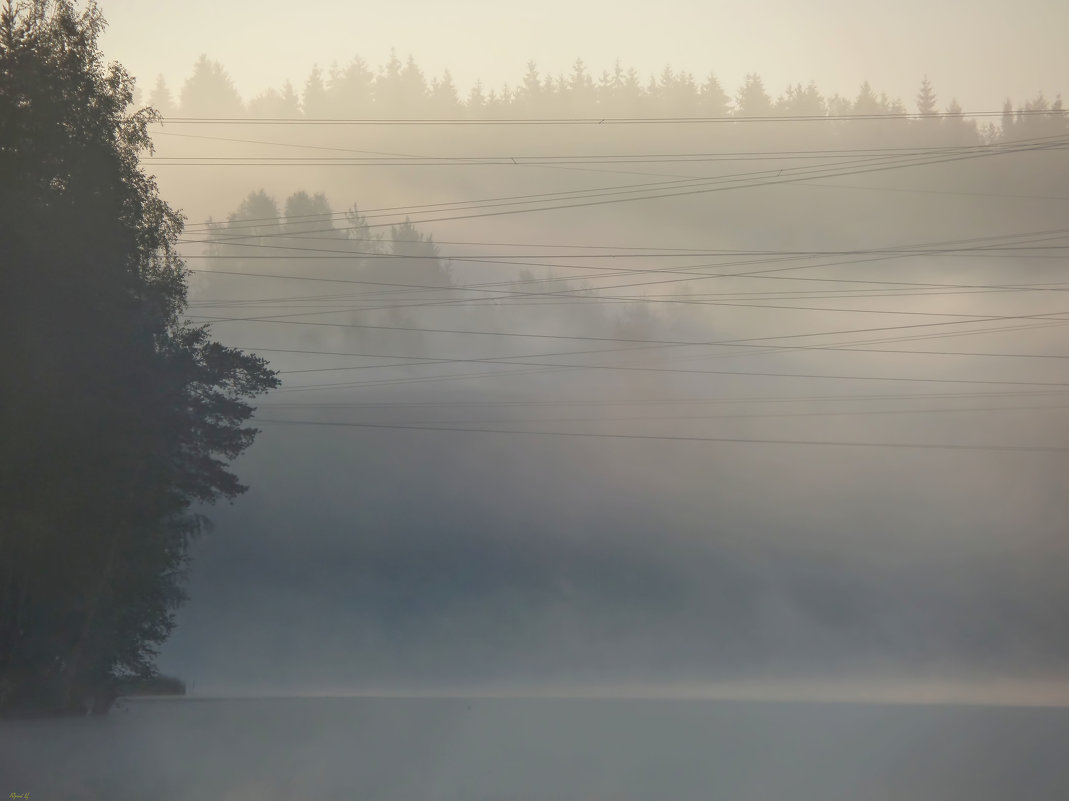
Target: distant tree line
[399,278]
[401,89]
[259,220]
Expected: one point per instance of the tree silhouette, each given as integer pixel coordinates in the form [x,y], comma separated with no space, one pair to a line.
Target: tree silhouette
[580,90]
[475,105]
[675,90]
[314,97]
[926,98]
[415,258]
[255,218]
[400,89]
[162,100]
[305,213]
[866,101]
[209,92]
[801,101]
[529,93]
[272,104]
[1039,117]
[714,100]
[443,96]
[350,92]
[413,86]
[752,100]
[115,415]
[955,129]
[1007,120]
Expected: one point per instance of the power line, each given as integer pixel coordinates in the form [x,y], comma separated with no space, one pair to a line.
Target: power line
[684,418]
[793,175]
[997,244]
[498,374]
[740,154]
[380,211]
[670,438]
[331,302]
[784,348]
[576,194]
[646,343]
[1027,145]
[512,121]
[694,401]
[589,338]
[245,223]
[631,368]
[882,256]
[541,160]
[502,257]
[460,376]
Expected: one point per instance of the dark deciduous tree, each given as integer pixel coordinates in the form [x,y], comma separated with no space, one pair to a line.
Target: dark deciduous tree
[116,417]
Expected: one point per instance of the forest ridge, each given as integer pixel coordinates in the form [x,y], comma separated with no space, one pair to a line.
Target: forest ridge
[402,89]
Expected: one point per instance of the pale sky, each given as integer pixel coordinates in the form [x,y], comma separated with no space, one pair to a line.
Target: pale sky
[981,51]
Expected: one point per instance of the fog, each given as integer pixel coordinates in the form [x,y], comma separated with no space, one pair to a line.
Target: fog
[674,404]
[538,748]
[600,402]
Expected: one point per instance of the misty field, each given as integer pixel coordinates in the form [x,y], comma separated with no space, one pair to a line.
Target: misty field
[536,750]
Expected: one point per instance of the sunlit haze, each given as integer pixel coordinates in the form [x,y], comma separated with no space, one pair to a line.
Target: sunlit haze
[978,51]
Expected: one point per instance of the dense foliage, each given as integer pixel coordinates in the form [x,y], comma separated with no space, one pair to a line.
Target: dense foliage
[115,415]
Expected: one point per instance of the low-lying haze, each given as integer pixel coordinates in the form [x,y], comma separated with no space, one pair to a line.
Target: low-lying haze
[788,427]
[772,387]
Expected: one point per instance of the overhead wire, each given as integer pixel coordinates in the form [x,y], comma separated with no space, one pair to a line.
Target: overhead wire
[1050,449]
[697,277]
[719,184]
[601,120]
[552,367]
[598,291]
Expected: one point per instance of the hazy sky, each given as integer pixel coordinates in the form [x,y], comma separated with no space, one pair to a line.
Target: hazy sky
[981,52]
